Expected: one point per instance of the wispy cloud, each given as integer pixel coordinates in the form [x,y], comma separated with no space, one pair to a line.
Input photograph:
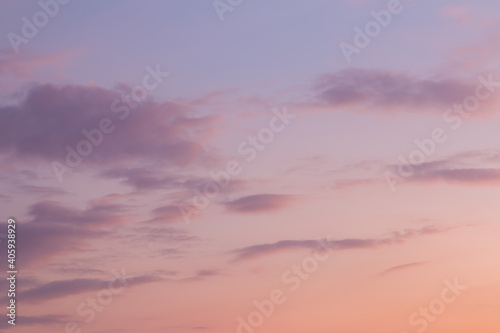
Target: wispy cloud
[58,289]
[386,91]
[260,203]
[37,320]
[396,237]
[403,267]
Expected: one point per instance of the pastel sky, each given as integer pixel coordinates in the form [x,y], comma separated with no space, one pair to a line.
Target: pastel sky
[251,166]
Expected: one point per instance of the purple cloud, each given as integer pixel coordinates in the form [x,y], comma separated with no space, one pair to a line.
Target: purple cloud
[387,91]
[58,289]
[260,203]
[52,118]
[396,237]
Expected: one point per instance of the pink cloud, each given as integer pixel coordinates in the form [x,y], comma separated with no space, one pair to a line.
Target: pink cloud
[402,267]
[25,64]
[461,14]
[260,203]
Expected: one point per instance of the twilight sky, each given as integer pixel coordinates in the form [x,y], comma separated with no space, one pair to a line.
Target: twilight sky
[251,166]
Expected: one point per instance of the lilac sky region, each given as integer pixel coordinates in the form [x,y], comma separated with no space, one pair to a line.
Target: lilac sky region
[251,166]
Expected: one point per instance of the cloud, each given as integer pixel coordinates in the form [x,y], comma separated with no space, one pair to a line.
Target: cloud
[166,214]
[24,63]
[363,89]
[396,237]
[266,249]
[214,97]
[39,241]
[96,213]
[461,14]
[52,117]
[37,320]
[6,198]
[260,203]
[73,269]
[150,178]
[62,288]
[145,178]
[42,190]
[402,267]
[54,229]
[460,176]
[160,241]
[201,275]
[467,168]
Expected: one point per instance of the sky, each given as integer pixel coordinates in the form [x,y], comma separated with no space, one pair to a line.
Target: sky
[250,166]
